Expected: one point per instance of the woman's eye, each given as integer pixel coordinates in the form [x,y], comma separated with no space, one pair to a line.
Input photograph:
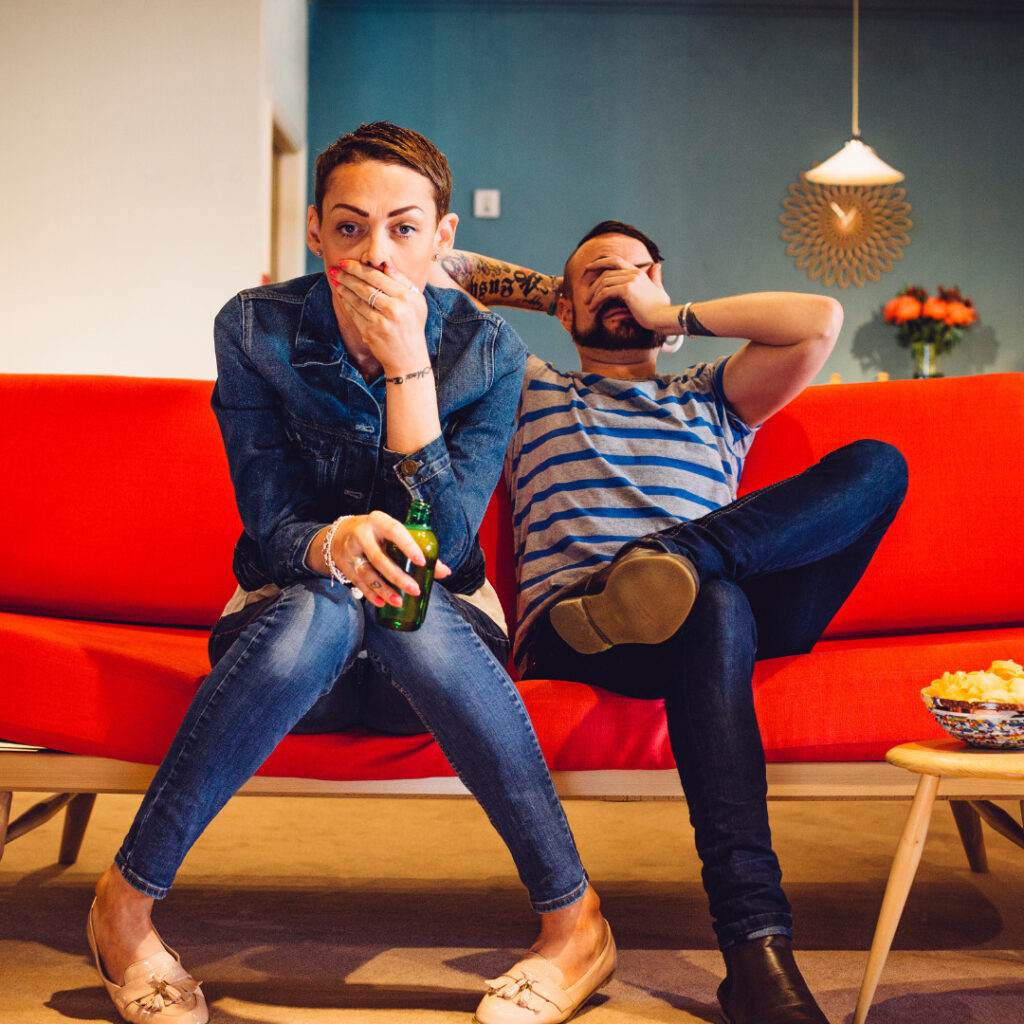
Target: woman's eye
[405,230]
[348,229]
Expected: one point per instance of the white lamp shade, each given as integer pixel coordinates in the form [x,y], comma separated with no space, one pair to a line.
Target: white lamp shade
[854,164]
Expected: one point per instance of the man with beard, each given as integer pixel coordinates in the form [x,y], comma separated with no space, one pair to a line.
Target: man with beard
[640,571]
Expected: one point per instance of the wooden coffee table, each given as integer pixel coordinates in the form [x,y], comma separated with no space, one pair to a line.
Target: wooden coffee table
[933,760]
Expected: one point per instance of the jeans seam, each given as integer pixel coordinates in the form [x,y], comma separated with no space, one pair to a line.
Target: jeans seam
[187,742]
[510,688]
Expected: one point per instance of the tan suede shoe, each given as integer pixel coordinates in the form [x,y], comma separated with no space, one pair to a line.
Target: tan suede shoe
[155,989]
[533,991]
[641,598]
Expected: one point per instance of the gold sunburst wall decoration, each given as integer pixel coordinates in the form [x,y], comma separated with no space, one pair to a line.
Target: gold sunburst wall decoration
[845,234]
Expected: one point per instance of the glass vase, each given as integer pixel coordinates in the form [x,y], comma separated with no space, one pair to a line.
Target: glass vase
[925,360]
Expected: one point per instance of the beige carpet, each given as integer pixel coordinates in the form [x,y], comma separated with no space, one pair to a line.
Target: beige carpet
[309,911]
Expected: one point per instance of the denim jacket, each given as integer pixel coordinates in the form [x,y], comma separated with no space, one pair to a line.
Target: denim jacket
[305,434]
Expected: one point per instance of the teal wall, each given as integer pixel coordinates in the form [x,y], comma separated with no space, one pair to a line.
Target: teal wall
[691,120]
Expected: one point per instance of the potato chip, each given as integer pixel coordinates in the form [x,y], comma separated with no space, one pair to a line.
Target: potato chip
[1001,682]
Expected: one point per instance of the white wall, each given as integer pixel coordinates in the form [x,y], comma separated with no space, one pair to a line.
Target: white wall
[136,177]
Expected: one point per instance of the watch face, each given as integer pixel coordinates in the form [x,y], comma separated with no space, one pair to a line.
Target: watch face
[845,234]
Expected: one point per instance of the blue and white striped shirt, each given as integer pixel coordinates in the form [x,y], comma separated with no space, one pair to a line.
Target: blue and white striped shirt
[596,462]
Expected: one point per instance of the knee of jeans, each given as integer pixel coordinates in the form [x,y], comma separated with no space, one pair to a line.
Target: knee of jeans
[317,632]
[883,464]
[722,612]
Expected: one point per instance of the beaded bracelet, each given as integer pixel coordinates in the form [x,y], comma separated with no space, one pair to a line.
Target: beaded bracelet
[336,573]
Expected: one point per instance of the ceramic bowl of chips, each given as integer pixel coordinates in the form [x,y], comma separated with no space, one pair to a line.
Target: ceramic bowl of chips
[984,709]
[992,724]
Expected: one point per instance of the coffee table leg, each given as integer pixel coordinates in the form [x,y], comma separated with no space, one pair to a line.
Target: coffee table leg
[901,876]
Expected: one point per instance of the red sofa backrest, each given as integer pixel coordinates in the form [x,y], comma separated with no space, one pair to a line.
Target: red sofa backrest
[117,503]
[953,557]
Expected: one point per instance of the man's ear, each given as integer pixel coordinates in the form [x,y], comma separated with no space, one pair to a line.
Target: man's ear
[564,312]
[444,236]
[313,230]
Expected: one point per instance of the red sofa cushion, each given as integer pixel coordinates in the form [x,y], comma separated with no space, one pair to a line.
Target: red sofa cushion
[120,690]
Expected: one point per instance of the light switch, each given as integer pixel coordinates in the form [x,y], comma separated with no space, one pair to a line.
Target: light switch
[486,202]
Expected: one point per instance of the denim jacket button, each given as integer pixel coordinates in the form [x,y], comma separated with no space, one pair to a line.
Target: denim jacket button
[409,467]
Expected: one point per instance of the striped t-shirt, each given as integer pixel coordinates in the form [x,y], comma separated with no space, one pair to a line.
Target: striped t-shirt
[596,462]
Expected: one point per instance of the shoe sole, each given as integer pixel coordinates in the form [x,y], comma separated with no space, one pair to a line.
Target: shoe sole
[632,608]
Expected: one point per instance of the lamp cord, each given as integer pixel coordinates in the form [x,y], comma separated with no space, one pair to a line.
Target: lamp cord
[856,61]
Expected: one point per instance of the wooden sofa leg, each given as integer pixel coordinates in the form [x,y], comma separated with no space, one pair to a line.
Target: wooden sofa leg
[76,818]
[5,816]
[968,823]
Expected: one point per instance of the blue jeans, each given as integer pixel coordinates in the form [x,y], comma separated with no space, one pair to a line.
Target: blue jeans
[774,568]
[284,661]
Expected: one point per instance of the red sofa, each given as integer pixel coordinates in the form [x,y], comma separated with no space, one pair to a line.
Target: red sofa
[115,551]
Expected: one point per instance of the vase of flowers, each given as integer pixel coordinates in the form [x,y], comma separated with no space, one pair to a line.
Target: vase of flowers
[929,325]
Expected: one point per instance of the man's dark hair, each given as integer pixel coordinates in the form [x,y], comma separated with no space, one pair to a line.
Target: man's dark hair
[608,227]
[389,144]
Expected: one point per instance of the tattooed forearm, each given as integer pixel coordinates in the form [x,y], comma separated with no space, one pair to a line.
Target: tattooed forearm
[499,283]
[692,327]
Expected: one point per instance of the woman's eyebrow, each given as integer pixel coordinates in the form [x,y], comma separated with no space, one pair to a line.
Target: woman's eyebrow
[364,213]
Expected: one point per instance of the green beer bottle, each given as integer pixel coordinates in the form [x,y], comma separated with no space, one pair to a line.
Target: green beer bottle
[409,615]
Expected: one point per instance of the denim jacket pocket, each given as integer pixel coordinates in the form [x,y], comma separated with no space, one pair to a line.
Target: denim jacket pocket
[334,457]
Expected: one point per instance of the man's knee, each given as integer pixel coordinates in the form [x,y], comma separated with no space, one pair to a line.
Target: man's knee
[722,614]
[879,465]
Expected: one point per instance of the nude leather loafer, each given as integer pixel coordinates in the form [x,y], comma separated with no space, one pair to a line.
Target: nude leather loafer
[641,598]
[155,989]
[533,991]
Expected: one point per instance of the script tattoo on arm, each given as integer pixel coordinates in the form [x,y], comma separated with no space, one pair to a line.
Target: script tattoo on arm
[501,284]
[692,327]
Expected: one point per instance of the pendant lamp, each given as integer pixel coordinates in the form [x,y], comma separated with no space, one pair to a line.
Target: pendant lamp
[856,163]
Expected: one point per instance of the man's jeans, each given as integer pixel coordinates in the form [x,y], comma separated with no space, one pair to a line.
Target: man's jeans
[291,655]
[774,568]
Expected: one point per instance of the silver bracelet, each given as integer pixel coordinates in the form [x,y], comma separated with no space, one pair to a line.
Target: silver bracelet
[335,572]
[683,314]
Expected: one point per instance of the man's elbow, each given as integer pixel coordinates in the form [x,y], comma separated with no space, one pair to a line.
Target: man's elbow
[828,323]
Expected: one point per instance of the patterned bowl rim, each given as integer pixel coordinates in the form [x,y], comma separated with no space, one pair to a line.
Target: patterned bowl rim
[967,707]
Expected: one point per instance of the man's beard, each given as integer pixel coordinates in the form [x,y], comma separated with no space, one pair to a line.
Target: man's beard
[626,333]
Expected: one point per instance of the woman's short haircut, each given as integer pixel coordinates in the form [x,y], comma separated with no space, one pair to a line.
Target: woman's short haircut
[389,144]
[608,227]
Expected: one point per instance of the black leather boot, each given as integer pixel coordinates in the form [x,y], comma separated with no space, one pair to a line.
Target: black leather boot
[763,985]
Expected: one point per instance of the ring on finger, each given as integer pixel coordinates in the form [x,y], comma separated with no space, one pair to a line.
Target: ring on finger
[358,562]
[374,296]
[414,289]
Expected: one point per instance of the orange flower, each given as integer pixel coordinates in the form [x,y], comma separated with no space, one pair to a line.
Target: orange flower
[959,314]
[901,309]
[935,309]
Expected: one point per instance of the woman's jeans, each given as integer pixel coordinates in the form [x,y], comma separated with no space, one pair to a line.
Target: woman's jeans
[289,657]
[774,568]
